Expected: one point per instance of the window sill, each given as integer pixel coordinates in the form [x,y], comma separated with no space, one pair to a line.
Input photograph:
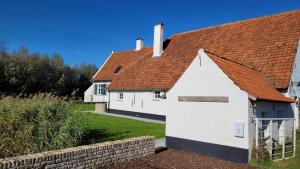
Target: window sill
[120,100]
[156,99]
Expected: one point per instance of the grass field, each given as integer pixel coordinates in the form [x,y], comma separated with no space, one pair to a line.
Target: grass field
[292,163]
[84,106]
[102,128]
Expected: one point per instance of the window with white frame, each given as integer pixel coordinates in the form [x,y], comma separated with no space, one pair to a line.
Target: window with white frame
[156,95]
[121,96]
[100,89]
[103,89]
[95,89]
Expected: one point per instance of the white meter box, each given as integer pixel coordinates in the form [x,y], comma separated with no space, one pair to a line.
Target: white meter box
[239,130]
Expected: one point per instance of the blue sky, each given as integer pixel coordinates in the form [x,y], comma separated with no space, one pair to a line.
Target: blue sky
[86,31]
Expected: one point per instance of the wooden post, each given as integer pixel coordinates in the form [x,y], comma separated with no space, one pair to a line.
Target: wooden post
[271,138]
[283,143]
[294,138]
[257,132]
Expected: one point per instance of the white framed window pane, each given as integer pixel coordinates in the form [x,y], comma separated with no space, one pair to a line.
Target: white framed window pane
[103,89]
[95,89]
[99,89]
[157,94]
[121,96]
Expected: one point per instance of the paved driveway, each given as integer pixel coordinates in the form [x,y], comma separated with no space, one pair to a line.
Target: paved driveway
[179,160]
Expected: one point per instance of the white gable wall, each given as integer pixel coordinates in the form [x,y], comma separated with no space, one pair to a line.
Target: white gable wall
[294,87]
[90,96]
[209,122]
[294,90]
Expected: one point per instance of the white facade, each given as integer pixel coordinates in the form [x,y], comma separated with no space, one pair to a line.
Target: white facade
[97,93]
[294,87]
[88,95]
[137,101]
[208,122]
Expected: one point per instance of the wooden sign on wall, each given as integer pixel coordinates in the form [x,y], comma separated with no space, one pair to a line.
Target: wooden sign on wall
[221,99]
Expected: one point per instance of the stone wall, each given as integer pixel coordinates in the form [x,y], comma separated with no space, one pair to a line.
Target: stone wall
[99,155]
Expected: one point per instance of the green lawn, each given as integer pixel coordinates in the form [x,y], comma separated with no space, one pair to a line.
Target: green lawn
[292,163]
[102,128]
[84,106]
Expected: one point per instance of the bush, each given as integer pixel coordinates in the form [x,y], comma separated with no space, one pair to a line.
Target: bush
[38,123]
[260,153]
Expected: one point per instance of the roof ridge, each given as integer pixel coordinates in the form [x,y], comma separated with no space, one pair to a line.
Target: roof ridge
[131,50]
[225,58]
[236,22]
[255,70]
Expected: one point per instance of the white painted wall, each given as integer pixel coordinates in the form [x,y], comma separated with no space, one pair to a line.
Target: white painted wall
[141,101]
[206,121]
[294,88]
[90,96]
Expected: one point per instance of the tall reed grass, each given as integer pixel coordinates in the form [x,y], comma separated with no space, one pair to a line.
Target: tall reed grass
[37,123]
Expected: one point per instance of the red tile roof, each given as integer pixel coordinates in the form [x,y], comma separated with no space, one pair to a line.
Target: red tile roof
[266,44]
[249,80]
[122,59]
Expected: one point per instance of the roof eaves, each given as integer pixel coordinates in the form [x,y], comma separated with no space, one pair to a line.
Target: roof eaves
[112,52]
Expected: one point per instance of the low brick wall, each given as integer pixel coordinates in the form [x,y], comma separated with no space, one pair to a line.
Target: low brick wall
[99,155]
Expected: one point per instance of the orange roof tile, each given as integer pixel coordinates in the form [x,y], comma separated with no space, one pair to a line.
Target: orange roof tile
[267,44]
[122,59]
[249,80]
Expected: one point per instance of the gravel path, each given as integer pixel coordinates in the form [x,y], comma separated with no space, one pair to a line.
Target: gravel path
[179,160]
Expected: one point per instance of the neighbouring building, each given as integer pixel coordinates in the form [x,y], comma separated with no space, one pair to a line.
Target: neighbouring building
[222,90]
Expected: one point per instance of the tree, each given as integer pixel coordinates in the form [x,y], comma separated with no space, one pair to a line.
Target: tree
[29,73]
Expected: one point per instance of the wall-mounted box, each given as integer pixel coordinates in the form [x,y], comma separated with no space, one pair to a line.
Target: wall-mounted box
[239,130]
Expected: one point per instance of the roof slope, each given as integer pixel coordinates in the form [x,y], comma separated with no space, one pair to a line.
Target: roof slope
[267,44]
[123,59]
[249,80]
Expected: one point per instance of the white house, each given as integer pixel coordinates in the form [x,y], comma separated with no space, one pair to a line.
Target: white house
[222,90]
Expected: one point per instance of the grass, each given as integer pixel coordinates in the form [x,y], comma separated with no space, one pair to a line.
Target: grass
[291,163]
[84,106]
[102,128]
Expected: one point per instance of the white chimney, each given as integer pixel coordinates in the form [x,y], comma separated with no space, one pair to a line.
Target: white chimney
[158,39]
[139,43]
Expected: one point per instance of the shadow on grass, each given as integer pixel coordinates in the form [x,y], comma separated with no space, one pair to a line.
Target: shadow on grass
[100,135]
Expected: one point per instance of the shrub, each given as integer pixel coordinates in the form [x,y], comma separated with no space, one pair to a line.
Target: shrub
[39,123]
[260,153]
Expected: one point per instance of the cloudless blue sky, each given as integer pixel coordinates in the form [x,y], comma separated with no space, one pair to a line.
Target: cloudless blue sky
[86,31]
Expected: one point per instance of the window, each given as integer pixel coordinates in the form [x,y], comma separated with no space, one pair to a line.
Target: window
[100,89]
[95,89]
[121,96]
[157,95]
[117,69]
[103,89]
